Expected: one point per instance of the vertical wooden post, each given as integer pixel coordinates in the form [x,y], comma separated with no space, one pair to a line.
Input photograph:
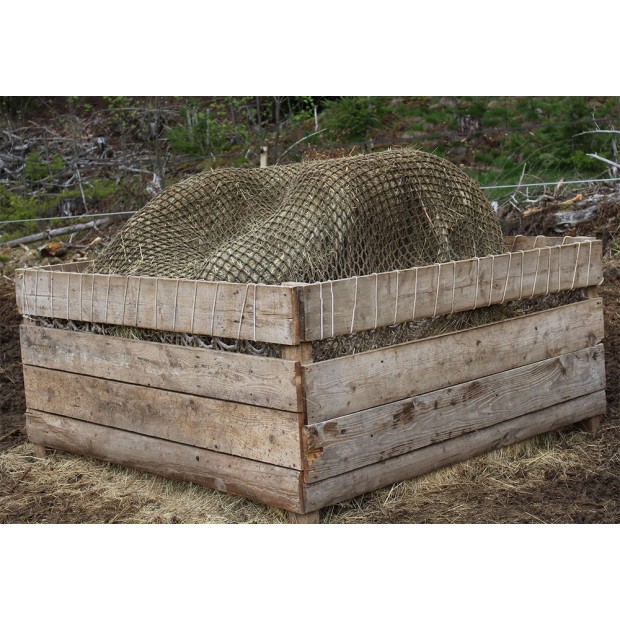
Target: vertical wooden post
[39,450]
[302,354]
[264,154]
[591,425]
[312,518]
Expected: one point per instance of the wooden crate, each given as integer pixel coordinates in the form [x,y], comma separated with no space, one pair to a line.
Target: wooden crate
[297,434]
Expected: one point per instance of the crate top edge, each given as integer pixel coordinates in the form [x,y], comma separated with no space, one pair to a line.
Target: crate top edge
[546,242]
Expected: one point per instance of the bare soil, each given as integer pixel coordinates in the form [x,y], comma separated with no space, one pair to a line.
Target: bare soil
[569,476]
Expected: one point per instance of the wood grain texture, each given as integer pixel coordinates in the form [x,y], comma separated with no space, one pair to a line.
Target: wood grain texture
[262,482]
[258,433]
[356,304]
[418,462]
[377,434]
[250,312]
[340,386]
[262,381]
[523,242]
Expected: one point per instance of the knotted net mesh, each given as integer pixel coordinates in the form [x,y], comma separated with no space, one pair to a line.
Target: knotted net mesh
[310,222]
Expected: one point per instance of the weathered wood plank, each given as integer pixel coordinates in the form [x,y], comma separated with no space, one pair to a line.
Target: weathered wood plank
[74,267]
[366,302]
[262,482]
[521,242]
[418,462]
[373,435]
[262,381]
[249,312]
[258,433]
[39,451]
[312,518]
[340,386]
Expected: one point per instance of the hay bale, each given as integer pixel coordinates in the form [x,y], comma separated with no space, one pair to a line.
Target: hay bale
[309,222]
[315,221]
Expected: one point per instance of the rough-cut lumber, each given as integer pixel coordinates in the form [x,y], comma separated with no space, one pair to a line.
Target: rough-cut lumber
[373,435]
[311,518]
[258,433]
[74,267]
[259,313]
[521,242]
[262,482]
[366,302]
[262,381]
[39,451]
[419,462]
[348,384]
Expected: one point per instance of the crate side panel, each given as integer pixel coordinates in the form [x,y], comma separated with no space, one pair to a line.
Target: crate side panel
[262,482]
[377,434]
[261,313]
[424,460]
[258,433]
[340,386]
[366,302]
[262,381]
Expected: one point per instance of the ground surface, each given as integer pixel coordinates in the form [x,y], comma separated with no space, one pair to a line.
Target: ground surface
[564,477]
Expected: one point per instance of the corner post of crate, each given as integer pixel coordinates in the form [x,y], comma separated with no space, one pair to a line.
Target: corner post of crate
[301,352]
[311,518]
[39,450]
[591,425]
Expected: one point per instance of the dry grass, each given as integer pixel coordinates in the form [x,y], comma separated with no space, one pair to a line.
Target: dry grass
[64,488]
[495,487]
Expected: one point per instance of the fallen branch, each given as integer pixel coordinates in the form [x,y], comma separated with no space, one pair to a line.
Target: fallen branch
[613,164]
[571,218]
[54,233]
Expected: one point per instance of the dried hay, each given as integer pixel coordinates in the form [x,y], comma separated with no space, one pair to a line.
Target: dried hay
[309,222]
[63,488]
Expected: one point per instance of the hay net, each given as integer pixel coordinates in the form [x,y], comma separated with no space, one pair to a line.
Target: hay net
[309,222]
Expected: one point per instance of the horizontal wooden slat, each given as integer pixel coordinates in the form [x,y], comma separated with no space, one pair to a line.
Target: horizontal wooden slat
[521,242]
[352,383]
[74,267]
[250,312]
[262,482]
[373,435]
[262,381]
[421,461]
[357,304]
[257,433]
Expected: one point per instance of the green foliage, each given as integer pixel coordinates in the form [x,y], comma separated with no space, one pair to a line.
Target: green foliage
[19,107]
[15,207]
[207,130]
[352,118]
[122,113]
[37,168]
